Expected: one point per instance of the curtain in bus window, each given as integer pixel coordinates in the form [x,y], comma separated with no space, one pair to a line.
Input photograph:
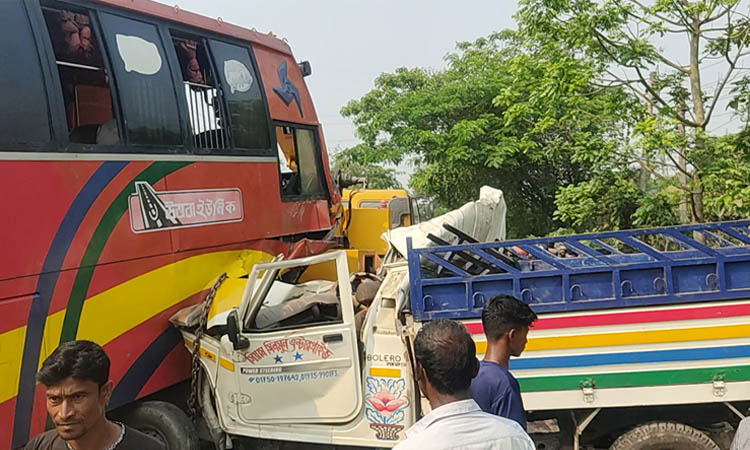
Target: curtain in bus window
[24,113]
[247,111]
[307,154]
[143,80]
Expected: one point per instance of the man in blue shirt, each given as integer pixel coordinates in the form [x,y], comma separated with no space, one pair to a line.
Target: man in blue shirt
[506,323]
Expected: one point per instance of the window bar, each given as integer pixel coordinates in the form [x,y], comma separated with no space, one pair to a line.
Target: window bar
[193,127]
[212,115]
[78,66]
[223,118]
[201,119]
[214,122]
[207,115]
[217,118]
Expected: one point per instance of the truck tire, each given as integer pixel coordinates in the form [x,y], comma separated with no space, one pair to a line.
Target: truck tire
[664,436]
[166,422]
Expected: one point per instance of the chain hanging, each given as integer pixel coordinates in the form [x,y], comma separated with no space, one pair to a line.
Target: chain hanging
[195,368]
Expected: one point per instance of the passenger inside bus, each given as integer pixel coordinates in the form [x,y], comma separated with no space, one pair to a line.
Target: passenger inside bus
[202,93]
[83,78]
[290,180]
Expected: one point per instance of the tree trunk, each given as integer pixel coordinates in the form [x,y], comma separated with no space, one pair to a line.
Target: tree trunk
[682,173]
[696,93]
[697,199]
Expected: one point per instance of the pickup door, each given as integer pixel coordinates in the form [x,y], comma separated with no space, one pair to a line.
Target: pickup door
[302,363]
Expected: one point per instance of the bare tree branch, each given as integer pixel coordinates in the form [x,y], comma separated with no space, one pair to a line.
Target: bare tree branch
[711,30]
[601,37]
[717,16]
[629,84]
[655,95]
[657,15]
[643,19]
[676,164]
[675,66]
[658,98]
[727,75]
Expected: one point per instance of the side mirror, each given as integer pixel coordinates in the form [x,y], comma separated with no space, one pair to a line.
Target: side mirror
[399,207]
[305,68]
[239,342]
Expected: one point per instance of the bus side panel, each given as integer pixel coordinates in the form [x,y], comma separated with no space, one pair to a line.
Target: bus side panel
[261,213]
[281,80]
[71,208]
[38,196]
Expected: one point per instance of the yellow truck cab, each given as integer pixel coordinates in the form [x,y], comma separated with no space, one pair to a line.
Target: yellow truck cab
[368,213]
[363,216]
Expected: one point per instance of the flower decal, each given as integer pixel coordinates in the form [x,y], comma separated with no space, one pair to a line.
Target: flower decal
[385,403]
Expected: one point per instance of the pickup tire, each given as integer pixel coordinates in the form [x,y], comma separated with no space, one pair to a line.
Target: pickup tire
[664,436]
[165,422]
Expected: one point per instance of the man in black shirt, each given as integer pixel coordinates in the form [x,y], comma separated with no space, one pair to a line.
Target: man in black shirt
[78,388]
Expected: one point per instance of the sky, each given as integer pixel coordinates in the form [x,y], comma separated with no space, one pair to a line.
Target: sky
[350,43]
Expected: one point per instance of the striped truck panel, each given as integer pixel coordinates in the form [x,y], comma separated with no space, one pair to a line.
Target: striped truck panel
[624,351]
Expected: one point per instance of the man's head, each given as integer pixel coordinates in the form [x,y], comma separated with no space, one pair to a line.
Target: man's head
[446,357]
[505,318]
[76,376]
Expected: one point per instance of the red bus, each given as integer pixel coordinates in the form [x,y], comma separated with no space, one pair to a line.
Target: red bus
[144,150]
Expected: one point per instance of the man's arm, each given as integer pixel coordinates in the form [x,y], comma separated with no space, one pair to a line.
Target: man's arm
[508,404]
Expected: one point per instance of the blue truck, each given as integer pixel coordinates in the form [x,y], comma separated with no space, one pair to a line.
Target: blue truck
[643,337]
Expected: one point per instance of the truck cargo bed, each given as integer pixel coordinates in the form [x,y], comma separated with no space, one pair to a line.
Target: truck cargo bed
[616,269]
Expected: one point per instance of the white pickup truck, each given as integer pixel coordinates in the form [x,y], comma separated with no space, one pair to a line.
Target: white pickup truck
[288,363]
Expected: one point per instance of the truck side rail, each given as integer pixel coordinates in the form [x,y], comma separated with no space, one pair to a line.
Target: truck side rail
[681,264]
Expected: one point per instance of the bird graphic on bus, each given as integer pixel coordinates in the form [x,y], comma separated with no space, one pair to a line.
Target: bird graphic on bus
[288,91]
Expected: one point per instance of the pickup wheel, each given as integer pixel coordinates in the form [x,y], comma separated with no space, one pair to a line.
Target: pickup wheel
[664,436]
[165,422]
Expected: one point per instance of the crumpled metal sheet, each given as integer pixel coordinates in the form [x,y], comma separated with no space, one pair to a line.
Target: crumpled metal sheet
[483,219]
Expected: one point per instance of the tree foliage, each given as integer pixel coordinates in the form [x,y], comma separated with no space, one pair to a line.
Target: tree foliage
[580,116]
[628,40]
[499,115]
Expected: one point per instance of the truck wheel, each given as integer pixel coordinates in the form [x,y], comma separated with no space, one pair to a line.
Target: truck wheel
[166,422]
[664,436]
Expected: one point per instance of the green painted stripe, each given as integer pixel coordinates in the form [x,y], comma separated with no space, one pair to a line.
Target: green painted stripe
[635,379]
[109,220]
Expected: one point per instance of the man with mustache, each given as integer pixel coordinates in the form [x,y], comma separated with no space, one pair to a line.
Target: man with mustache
[446,363]
[78,388]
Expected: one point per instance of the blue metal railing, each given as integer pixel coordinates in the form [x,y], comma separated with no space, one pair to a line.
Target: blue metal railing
[682,264]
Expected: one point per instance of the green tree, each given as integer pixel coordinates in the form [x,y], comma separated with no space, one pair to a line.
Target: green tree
[528,120]
[627,40]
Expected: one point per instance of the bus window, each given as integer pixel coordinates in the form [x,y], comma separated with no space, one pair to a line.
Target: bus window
[144,83]
[248,116]
[84,81]
[24,111]
[202,93]
[299,166]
